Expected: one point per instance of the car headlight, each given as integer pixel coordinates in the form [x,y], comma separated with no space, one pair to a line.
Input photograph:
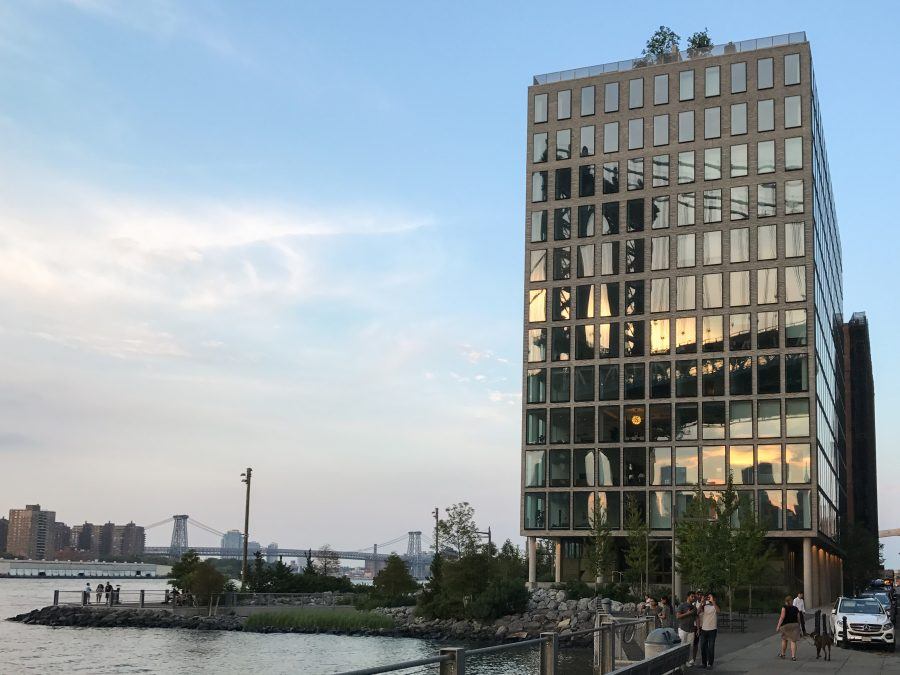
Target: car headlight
[888,626]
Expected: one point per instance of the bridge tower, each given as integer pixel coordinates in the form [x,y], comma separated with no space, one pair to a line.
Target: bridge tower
[414,555]
[179,543]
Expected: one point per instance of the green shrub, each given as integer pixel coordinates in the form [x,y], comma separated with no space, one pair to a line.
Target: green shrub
[500,597]
[318,619]
[375,599]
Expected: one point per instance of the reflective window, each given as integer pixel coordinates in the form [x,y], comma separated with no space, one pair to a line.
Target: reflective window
[796,376]
[586,180]
[586,220]
[563,144]
[660,171]
[611,137]
[740,245]
[740,377]
[795,328]
[562,225]
[634,215]
[583,425]
[635,134]
[563,180]
[685,251]
[660,213]
[634,295]
[765,115]
[796,417]
[583,466]
[634,338]
[712,206]
[538,226]
[770,509]
[660,510]
[609,258]
[765,78]
[634,256]
[608,460]
[560,466]
[713,463]
[634,423]
[636,93]
[686,167]
[538,265]
[659,333]
[608,340]
[712,247]
[584,382]
[766,242]
[584,338]
[611,503]
[768,464]
[539,148]
[792,115]
[535,468]
[685,379]
[611,183]
[685,421]
[714,379]
[740,202]
[584,301]
[765,200]
[686,335]
[535,510]
[687,465]
[661,414]
[537,305]
[635,465]
[608,299]
[536,427]
[740,421]
[585,261]
[686,85]
[740,460]
[712,163]
[635,178]
[738,77]
[739,160]
[536,385]
[768,374]
[540,108]
[587,141]
[791,69]
[660,89]
[539,186]
[660,466]
[560,432]
[739,288]
[793,196]
[685,293]
[608,380]
[797,510]
[738,119]
[537,345]
[611,97]
[712,291]
[659,302]
[582,510]
[587,101]
[660,129]
[797,462]
[660,387]
[564,104]
[560,343]
[712,122]
[767,330]
[739,332]
[713,334]
[795,284]
[711,81]
[686,126]
[793,153]
[559,511]
[766,286]
[765,157]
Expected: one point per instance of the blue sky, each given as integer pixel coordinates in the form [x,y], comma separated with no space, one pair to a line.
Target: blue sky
[288,235]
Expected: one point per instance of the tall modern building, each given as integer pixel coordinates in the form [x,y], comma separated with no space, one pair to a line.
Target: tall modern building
[683,303]
[4,532]
[233,540]
[31,532]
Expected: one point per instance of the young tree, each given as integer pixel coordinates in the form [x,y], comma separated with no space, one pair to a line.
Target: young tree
[751,553]
[310,568]
[394,580]
[180,574]
[327,561]
[700,41]
[694,536]
[545,555]
[458,530]
[863,560]
[601,552]
[511,562]
[639,555]
[662,43]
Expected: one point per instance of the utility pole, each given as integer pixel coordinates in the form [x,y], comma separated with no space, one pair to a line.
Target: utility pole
[245,478]
[437,517]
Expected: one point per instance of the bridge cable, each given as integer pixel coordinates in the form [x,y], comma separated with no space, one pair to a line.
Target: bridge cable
[162,522]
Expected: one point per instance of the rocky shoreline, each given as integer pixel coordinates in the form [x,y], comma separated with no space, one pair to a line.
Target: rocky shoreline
[548,610]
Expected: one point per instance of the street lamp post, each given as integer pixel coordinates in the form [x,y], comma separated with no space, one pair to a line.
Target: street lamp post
[245,478]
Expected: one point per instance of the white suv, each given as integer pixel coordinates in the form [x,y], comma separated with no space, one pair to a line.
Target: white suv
[865,622]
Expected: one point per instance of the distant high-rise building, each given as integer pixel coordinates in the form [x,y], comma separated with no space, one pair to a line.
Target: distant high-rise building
[4,532]
[85,539]
[233,540]
[31,532]
[62,537]
[109,539]
[128,540]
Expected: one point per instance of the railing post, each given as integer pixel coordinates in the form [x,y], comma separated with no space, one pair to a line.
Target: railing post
[142,598]
[55,598]
[456,665]
[608,652]
[548,653]
[597,646]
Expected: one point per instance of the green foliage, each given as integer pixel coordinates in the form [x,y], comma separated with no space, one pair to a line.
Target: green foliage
[601,552]
[199,578]
[640,556]
[278,578]
[318,619]
[662,43]
[863,561]
[180,574]
[373,600]
[544,553]
[458,530]
[700,41]
[230,567]
[501,596]
[394,579]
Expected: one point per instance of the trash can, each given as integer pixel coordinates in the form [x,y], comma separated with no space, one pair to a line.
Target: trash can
[659,641]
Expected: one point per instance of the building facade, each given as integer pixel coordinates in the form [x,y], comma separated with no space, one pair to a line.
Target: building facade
[4,532]
[31,532]
[233,540]
[109,539]
[683,304]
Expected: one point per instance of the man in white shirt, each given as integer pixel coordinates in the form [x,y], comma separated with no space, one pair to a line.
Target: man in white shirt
[798,602]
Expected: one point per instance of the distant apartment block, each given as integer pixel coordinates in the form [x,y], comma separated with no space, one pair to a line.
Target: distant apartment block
[233,540]
[109,539]
[4,533]
[31,532]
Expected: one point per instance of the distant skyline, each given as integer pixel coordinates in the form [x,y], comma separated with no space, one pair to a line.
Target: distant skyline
[288,236]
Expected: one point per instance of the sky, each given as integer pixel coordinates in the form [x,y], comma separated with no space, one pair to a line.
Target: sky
[288,236]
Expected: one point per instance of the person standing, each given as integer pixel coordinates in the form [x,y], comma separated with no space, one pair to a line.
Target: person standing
[698,605]
[709,628]
[87,593]
[665,613]
[99,593]
[686,619]
[108,590]
[789,627]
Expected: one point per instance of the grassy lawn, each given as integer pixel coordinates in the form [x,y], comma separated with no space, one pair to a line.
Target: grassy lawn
[313,619]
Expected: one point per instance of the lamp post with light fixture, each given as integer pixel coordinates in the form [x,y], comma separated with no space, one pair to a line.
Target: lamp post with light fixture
[245,478]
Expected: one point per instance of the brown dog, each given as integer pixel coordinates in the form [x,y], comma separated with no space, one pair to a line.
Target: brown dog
[823,644]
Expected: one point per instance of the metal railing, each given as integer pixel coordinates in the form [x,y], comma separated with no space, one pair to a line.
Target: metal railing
[644,61]
[615,642]
[163,597]
[141,598]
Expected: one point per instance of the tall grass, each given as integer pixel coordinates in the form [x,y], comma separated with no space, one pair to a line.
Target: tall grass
[318,619]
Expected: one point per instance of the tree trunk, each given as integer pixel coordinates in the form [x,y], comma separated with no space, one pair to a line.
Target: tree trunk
[750,599]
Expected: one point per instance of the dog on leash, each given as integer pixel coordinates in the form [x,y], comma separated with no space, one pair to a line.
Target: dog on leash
[823,643]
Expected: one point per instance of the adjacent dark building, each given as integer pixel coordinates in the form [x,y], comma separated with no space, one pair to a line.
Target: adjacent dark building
[4,533]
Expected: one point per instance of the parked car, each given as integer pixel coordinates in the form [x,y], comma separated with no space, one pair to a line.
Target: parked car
[862,620]
[887,601]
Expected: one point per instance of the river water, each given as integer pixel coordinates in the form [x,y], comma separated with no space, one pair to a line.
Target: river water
[42,649]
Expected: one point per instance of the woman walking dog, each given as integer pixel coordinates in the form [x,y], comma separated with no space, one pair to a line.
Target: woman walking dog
[789,627]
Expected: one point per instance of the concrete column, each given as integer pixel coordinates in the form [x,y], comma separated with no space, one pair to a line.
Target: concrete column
[821,578]
[557,560]
[531,547]
[841,576]
[676,575]
[807,570]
